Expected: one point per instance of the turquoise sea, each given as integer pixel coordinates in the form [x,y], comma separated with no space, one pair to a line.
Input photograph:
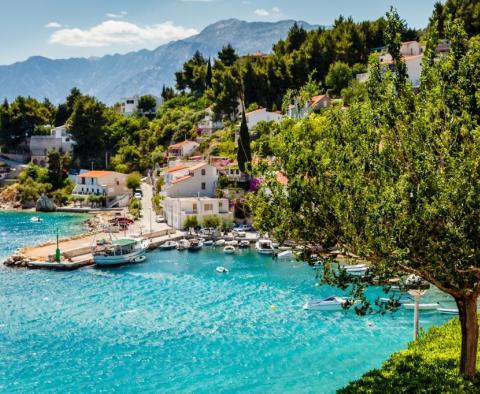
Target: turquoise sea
[174,325]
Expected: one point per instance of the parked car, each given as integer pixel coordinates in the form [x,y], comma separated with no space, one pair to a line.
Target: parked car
[138,195]
[244,227]
[160,219]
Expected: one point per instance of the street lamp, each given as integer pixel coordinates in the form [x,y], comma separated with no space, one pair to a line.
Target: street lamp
[416,287]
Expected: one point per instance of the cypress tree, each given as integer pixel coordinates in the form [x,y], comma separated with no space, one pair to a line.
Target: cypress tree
[244,154]
[208,77]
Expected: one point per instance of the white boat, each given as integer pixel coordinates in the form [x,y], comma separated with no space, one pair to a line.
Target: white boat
[222,270]
[229,249]
[208,242]
[121,251]
[448,311]
[231,243]
[169,245]
[264,246]
[326,304]
[404,299]
[195,245]
[220,242]
[423,307]
[287,255]
[183,244]
[283,247]
[35,219]
[244,244]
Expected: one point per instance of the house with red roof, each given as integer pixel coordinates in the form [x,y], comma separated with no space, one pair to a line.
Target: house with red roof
[190,179]
[183,149]
[111,184]
[315,104]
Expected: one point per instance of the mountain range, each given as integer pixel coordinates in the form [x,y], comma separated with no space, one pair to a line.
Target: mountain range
[112,77]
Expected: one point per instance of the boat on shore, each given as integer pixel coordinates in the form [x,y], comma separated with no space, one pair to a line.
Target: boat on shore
[195,245]
[264,246]
[326,304]
[121,251]
[168,245]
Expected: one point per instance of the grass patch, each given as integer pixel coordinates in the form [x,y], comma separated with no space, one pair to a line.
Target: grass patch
[429,365]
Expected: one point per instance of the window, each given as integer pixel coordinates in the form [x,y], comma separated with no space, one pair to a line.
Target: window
[93,181]
[204,172]
[194,208]
[83,181]
[204,186]
[208,207]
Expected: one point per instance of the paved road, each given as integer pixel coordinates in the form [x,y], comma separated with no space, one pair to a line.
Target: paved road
[148,213]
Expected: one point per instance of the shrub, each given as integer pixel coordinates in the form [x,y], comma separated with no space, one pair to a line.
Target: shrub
[190,222]
[133,180]
[211,221]
[429,365]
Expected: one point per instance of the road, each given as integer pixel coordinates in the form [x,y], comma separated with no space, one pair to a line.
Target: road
[148,213]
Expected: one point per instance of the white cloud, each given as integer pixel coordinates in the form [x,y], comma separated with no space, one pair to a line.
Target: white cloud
[116,16]
[263,13]
[53,25]
[120,32]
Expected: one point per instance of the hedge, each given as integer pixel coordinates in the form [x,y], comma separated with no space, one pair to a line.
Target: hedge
[429,365]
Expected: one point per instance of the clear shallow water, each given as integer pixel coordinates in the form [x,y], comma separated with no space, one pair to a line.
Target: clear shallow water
[173,324]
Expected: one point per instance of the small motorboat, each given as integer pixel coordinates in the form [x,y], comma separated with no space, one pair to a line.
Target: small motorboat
[264,246]
[222,270]
[404,299]
[448,311]
[244,245]
[183,244]
[220,242]
[327,304]
[423,307]
[138,259]
[231,243]
[195,245]
[229,249]
[208,242]
[121,251]
[286,255]
[168,245]
[35,219]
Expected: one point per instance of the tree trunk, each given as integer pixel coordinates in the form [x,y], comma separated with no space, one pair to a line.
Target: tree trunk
[467,308]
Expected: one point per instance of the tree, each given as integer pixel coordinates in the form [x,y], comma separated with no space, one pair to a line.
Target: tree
[167,93]
[193,75]
[225,91]
[227,56]
[87,126]
[190,222]
[58,166]
[338,77]
[147,105]
[211,221]
[209,75]
[295,38]
[393,180]
[244,154]
[134,180]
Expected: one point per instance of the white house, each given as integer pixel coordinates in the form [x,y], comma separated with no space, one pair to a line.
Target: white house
[187,179]
[315,104]
[58,140]
[183,149]
[112,185]
[129,105]
[177,210]
[261,114]
[207,125]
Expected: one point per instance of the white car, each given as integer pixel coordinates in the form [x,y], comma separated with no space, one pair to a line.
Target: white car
[160,219]
[138,195]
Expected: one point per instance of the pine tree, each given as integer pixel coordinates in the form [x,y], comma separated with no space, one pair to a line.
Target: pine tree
[244,154]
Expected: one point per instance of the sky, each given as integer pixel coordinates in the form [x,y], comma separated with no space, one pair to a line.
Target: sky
[72,28]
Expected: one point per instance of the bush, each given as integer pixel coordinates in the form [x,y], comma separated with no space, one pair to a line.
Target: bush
[156,202]
[134,180]
[190,222]
[429,365]
[211,221]
[134,207]
[30,191]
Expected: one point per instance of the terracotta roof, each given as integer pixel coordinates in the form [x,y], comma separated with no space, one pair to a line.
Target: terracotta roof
[177,168]
[180,144]
[95,174]
[316,99]
[181,179]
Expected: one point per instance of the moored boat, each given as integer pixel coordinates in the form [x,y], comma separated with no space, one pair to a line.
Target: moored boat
[423,307]
[286,255]
[183,244]
[208,242]
[264,246]
[244,245]
[121,251]
[35,219]
[231,243]
[195,245]
[326,304]
[229,249]
[448,311]
[222,270]
[220,242]
[356,270]
[168,245]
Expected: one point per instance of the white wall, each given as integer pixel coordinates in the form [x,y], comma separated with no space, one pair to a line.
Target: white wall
[192,187]
[254,117]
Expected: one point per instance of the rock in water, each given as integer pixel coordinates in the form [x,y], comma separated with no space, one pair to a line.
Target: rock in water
[45,204]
